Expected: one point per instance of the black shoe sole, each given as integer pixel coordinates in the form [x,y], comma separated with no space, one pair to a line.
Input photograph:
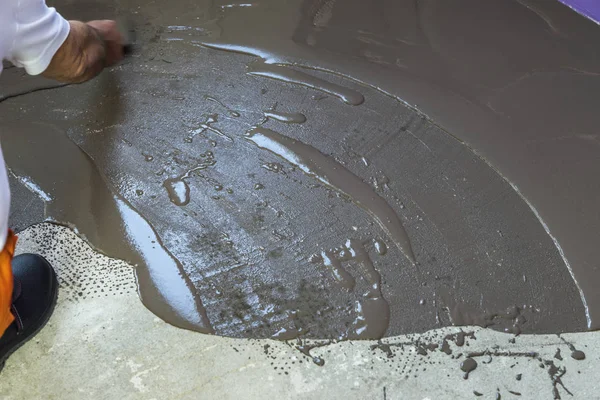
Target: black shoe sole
[42,325]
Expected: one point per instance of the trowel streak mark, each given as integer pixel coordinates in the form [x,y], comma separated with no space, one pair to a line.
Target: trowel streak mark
[340,274]
[207,126]
[231,112]
[334,175]
[288,118]
[289,75]
[380,247]
[83,198]
[373,310]
[178,189]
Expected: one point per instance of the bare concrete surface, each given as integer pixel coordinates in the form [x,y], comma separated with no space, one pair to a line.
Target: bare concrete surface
[102,343]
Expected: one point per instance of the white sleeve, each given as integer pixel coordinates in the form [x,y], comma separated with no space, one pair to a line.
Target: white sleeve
[40,31]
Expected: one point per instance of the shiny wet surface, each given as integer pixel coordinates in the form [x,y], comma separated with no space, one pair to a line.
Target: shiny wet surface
[276,240]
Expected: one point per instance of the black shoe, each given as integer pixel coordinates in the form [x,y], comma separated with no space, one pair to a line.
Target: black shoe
[34,297]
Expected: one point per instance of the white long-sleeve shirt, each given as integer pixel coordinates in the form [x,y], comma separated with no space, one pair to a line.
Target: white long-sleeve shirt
[30,35]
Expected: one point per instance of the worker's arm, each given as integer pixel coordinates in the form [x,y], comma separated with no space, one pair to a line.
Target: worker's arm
[68,51]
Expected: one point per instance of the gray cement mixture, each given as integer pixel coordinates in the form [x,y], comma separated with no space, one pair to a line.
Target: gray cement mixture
[363,169]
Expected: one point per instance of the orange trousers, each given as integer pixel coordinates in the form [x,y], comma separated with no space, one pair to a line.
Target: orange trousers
[6,282]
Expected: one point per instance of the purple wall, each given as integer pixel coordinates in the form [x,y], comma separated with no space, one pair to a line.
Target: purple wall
[589,8]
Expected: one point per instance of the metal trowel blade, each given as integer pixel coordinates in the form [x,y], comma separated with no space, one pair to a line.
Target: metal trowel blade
[127,30]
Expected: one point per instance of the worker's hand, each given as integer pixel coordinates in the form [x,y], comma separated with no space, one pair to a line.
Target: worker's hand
[113,40]
[88,49]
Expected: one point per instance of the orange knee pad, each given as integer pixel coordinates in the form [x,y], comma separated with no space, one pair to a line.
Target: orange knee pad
[6,281]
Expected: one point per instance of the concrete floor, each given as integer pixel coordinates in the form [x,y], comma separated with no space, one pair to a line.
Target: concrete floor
[102,343]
